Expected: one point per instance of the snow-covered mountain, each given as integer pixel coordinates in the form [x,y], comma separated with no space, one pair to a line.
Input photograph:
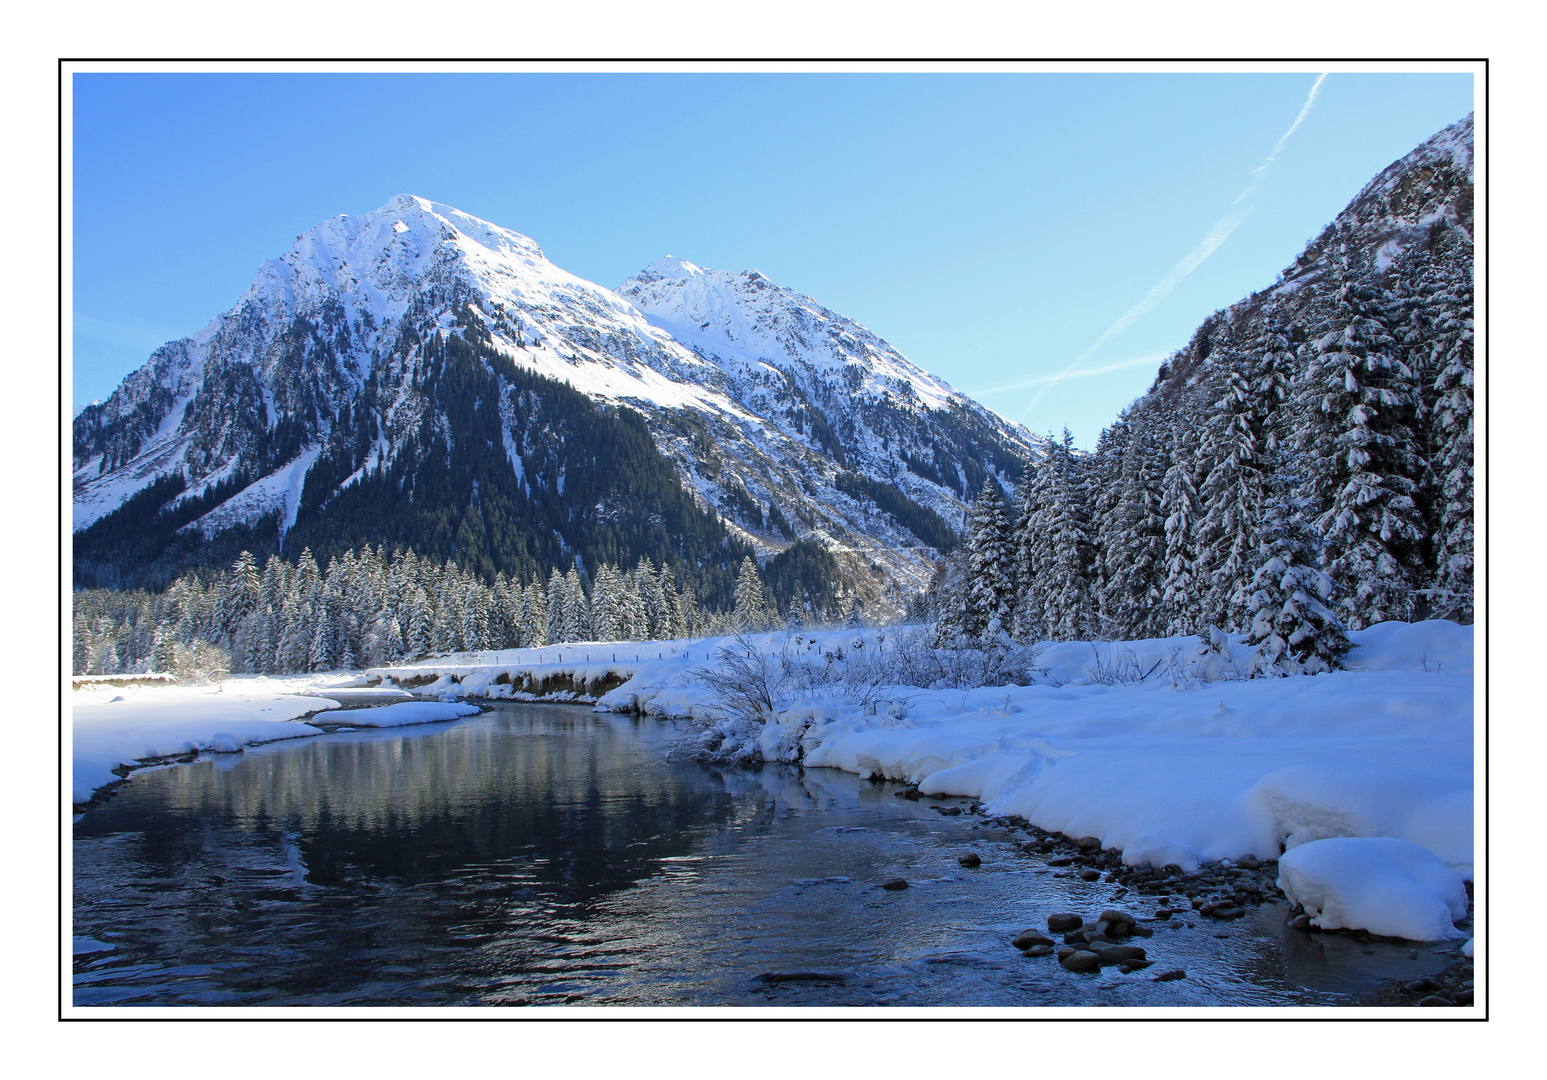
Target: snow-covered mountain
[331,373]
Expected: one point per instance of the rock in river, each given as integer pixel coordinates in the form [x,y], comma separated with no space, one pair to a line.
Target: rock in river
[1113,916]
[1117,954]
[1081,961]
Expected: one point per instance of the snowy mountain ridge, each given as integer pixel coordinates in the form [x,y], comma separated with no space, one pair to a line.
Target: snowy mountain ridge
[745,317]
[762,398]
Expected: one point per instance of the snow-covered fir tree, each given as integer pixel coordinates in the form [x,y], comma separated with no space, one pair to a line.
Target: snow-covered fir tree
[577,609]
[1032,556]
[1106,482]
[1070,611]
[1449,347]
[1292,622]
[1250,386]
[1133,547]
[988,607]
[1181,590]
[1361,400]
[751,612]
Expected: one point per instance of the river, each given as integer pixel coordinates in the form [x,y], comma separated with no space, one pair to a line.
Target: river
[545,854]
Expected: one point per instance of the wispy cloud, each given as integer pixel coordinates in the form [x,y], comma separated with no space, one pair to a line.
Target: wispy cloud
[1083,373]
[1239,209]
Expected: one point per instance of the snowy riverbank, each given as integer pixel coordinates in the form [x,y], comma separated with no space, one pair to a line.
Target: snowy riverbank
[1171,768]
[119,727]
[1155,747]
[578,671]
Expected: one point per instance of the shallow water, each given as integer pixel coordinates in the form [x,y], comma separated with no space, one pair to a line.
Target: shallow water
[542,854]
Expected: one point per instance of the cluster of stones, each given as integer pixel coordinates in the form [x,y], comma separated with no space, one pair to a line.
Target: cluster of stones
[1222,890]
[1089,947]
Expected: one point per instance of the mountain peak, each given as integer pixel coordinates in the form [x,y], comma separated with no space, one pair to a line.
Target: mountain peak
[782,417]
[410,210]
[667,268]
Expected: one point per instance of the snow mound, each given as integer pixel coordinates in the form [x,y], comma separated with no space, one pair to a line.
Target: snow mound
[1434,646]
[1381,884]
[400,714]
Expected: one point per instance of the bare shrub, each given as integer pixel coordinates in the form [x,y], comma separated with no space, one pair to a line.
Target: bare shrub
[1114,667]
[942,662]
[199,662]
[746,681]
[751,684]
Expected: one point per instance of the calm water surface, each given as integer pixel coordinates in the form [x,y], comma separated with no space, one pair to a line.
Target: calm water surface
[542,854]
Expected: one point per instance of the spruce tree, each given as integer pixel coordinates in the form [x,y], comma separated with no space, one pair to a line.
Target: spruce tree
[242,597]
[988,606]
[1107,512]
[1362,398]
[577,609]
[1452,426]
[1134,551]
[421,623]
[1181,598]
[1251,387]
[1292,624]
[606,604]
[1031,555]
[317,658]
[558,602]
[751,612]
[164,651]
[1069,610]
[684,614]
[534,616]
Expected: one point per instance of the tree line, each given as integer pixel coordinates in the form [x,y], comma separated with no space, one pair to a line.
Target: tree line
[368,609]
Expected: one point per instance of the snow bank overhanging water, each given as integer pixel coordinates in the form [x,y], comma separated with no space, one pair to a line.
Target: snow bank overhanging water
[1168,771]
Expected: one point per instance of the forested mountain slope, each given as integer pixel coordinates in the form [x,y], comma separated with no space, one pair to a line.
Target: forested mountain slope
[1303,466]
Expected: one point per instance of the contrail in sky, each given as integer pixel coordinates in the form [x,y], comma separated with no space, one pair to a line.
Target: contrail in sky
[1206,247]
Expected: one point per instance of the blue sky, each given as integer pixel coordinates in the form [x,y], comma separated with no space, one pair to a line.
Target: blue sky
[993,227]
